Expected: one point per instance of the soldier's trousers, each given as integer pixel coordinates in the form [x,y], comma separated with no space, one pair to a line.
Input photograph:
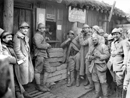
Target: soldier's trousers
[98,76]
[39,64]
[74,63]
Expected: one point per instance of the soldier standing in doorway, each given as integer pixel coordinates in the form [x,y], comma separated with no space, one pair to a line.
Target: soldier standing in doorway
[22,51]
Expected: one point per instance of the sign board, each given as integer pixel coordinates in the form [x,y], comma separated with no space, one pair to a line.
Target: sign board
[40,16]
[77,15]
[50,16]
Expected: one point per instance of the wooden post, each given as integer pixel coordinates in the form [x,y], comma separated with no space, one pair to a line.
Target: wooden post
[8,15]
[105,24]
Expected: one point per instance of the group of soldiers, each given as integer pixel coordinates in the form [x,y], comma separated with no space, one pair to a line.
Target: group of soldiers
[16,66]
[88,55]
[93,53]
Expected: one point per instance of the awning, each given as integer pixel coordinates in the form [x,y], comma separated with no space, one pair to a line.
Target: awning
[95,5]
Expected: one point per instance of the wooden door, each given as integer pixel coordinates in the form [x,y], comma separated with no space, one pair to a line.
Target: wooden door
[21,15]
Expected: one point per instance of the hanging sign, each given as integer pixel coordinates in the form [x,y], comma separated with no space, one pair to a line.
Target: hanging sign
[77,15]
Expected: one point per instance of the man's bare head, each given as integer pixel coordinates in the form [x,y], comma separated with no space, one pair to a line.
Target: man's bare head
[95,38]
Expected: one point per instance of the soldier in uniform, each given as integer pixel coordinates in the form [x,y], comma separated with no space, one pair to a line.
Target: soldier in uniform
[6,76]
[86,43]
[97,30]
[72,57]
[126,83]
[22,50]
[41,47]
[7,48]
[119,56]
[97,55]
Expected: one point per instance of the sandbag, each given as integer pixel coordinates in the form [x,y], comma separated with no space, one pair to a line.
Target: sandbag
[57,78]
[61,67]
[55,64]
[52,50]
[56,54]
[49,68]
[52,60]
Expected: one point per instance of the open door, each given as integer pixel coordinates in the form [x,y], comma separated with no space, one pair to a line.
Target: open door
[51,30]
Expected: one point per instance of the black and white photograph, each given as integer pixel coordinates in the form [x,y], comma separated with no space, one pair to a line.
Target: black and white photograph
[64,48]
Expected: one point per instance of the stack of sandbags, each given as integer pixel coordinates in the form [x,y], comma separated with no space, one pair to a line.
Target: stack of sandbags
[55,70]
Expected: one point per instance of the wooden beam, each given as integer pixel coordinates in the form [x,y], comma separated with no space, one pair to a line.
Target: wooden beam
[8,15]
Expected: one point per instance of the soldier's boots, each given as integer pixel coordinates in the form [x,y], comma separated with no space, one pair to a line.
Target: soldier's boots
[104,87]
[90,86]
[42,89]
[87,81]
[78,79]
[97,90]
[71,79]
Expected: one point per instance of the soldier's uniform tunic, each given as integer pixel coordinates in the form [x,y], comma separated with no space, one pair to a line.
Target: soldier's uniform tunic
[119,53]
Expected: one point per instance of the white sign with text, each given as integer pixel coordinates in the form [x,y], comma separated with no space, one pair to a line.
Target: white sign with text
[77,15]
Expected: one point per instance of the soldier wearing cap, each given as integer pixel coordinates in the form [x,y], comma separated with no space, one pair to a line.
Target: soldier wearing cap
[6,73]
[86,43]
[7,48]
[41,47]
[72,58]
[119,54]
[99,31]
[22,51]
[98,53]
[126,83]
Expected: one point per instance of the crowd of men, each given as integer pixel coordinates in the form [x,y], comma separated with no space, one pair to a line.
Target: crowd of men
[93,53]
[89,55]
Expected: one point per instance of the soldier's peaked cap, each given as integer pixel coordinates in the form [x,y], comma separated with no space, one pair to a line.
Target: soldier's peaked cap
[85,26]
[97,28]
[115,30]
[24,24]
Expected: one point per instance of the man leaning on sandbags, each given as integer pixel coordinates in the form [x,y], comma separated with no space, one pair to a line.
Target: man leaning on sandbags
[41,47]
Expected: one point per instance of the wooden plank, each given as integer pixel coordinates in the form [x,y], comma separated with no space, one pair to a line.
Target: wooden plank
[57,78]
[40,96]
[49,75]
[22,16]
[46,95]
[16,20]
[28,19]
[36,94]
[33,92]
